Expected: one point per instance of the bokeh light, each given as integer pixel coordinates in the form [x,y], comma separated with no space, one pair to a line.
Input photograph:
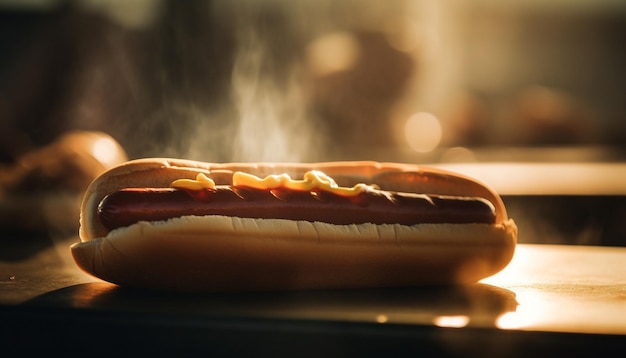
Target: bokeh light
[334,52]
[423,132]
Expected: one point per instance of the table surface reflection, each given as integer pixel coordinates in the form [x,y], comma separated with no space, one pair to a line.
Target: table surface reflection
[546,288]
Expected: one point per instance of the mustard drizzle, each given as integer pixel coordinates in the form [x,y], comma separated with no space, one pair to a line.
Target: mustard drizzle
[312,180]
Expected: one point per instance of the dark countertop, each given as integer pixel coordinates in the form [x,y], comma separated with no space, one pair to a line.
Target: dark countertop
[550,299]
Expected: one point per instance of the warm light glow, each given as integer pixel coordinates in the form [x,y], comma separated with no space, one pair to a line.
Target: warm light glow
[531,311]
[423,132]
[105,150]
[546,178]
[382,318]
[451,321]
[333,53]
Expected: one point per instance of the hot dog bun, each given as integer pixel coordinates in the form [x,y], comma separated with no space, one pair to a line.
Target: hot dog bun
[216,253]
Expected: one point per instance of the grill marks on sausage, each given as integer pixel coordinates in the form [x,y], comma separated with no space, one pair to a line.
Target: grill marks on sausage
[128,206]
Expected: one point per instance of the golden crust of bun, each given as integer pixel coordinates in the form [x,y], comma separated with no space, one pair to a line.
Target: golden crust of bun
[215,253]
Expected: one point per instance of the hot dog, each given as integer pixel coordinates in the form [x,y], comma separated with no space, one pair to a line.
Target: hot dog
[186,225]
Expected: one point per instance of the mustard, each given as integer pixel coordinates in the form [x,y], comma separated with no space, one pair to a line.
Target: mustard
[312,180]
[201,182]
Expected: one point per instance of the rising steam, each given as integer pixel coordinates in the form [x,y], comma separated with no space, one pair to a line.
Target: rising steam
[266,119]
[271,115]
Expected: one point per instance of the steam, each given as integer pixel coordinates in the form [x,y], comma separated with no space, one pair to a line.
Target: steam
[272,123]
[224,82]
[221,81]
[264,118]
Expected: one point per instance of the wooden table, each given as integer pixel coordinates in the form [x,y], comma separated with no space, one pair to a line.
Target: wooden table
[550,299]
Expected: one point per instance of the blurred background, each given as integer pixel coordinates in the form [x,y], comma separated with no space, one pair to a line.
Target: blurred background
[478,82]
